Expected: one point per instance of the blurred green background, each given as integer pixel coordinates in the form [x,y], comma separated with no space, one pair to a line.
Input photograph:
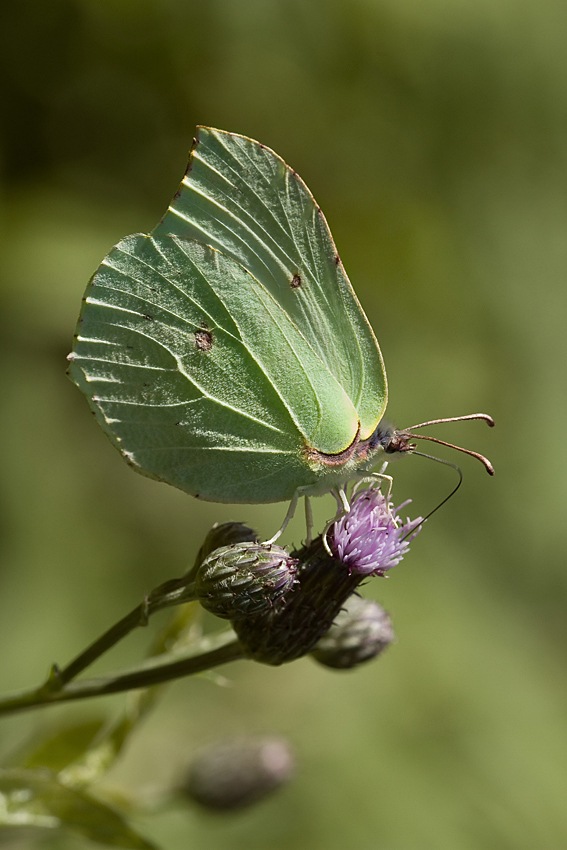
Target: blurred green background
[434,136]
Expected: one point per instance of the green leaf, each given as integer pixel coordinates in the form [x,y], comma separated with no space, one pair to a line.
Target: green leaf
[58,749]
[35,799]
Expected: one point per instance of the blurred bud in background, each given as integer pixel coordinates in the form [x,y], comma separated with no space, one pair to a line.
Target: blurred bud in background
[236,773]
[244,579]
[360,633]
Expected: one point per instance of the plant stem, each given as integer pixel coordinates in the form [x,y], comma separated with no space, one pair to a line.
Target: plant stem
[174,592]
[207,653]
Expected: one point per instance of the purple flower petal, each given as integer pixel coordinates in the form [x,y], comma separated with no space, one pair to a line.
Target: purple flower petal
[371,538]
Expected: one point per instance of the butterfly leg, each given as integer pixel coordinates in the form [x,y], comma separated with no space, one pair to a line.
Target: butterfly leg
[344,508]
[308,521]
[342,499]
[376,476]
[287,519]
[380,476]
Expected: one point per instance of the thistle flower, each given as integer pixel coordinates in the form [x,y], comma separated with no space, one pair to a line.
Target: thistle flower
[371,538]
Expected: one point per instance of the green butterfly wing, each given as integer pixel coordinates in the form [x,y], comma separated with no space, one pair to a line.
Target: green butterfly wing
[209,362]
[242,198]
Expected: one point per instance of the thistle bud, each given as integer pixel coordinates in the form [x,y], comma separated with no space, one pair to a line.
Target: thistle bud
[244,579]
[224,534]
[360,632]
[236,773]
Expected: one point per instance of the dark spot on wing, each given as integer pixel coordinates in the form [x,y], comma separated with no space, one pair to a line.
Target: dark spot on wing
[295,281]
[149,318]
[204,338]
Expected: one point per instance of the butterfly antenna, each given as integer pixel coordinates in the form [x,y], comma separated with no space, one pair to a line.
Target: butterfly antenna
[399,441]
[446,499]
[484,416]
[485,462]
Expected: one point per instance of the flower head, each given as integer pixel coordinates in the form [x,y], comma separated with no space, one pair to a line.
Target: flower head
[371,538]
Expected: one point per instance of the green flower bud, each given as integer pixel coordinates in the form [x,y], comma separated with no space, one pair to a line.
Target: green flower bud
[360,632]
[237,773]
[223,535]
[244,579]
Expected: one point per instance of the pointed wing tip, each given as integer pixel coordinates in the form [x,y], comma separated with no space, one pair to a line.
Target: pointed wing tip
[204,129]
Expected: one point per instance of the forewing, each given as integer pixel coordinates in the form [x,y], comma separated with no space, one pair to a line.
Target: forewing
[199,376]
[241,198]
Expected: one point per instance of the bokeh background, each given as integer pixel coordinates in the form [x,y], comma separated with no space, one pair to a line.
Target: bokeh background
[434,136]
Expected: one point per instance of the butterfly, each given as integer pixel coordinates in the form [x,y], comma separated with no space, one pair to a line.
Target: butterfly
[226,352]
